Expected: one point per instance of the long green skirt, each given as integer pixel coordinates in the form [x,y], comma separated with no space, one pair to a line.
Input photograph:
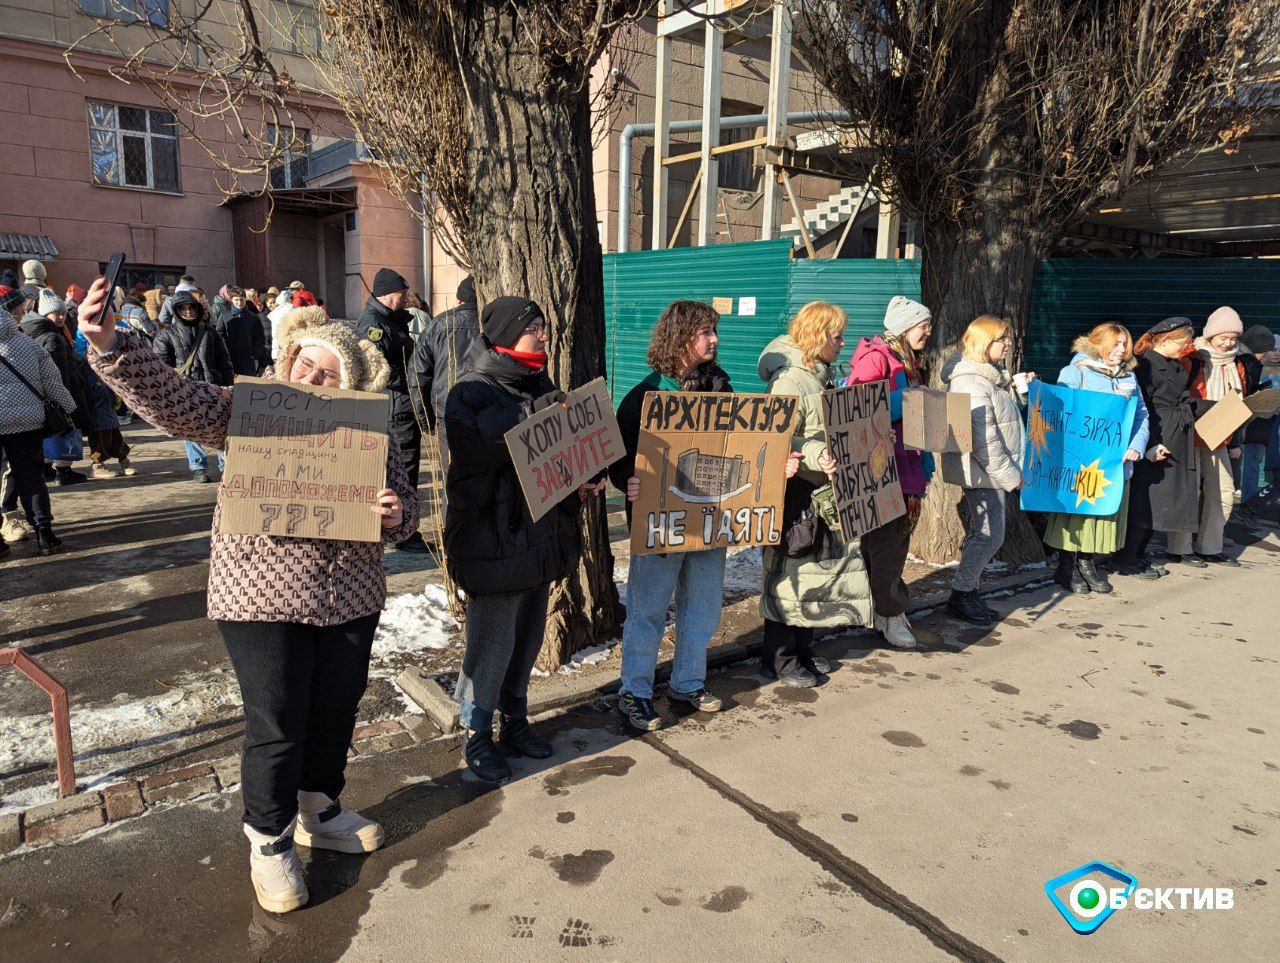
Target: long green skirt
[1096,534]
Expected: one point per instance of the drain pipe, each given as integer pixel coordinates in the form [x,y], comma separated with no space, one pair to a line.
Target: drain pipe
[688,127]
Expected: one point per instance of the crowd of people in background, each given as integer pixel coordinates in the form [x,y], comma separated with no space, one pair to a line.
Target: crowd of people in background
[298,615]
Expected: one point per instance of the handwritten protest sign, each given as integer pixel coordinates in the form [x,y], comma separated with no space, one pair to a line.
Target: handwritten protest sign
[1264,403]
[1076,440]
[711,468]
[859,438]
[304,462]
[936,420]
[563,446]
[1221,421]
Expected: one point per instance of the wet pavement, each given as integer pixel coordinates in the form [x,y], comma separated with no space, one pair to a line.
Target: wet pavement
[911,808]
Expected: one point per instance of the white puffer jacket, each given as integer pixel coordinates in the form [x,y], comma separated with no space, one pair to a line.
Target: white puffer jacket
[20,409]
[996,459]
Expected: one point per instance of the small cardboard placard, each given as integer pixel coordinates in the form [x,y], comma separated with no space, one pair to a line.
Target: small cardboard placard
[565,445]
[722,306]
[936,420]
[304,462]
[1219,423]
[711,467]
[859,438]
[1264,403]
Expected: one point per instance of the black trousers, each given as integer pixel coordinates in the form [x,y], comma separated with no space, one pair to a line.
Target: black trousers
[24,453]
[404,433]
[301,685]
[1136,540]
[884,553]
[785,646]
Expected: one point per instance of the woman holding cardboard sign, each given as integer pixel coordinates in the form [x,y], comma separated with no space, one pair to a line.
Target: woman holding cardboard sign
[500,557]
[297,614]
[814,579]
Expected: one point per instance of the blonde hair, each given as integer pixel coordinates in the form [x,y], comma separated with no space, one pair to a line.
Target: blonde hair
[1099,342]
[813,326]
[983,331]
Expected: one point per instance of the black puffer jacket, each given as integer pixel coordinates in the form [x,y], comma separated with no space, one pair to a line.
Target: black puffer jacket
[441,357]
[242,332]
[175,343]
[50,337]
[491,544]
[389,332]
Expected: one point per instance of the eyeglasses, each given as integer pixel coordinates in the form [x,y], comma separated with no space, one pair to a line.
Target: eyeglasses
[538,327]
[306,365]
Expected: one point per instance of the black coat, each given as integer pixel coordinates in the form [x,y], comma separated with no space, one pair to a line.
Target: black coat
[441,357]
[242,332]
[212,362]
[1165,496]
[389,331]
[50,337]
[491,543]
[1259,430]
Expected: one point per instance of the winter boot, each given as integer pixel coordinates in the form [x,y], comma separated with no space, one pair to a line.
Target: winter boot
[1068,574]
[46,542]
[324,824]
[100,471]
[126,467]
[69,476]
[519,739]
[484,759]
[1089,571]
[16,528]
[275,871]
[968,607]
[896,630]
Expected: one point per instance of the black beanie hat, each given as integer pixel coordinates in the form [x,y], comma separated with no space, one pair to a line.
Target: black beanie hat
[1259,339]
[387,281]
[504,320]
[467,290]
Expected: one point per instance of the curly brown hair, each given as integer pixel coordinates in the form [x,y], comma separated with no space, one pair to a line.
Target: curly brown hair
[675,329]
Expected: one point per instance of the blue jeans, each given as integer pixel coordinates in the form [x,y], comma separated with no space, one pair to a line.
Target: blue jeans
[197,460]
[696,580]
[1252,460]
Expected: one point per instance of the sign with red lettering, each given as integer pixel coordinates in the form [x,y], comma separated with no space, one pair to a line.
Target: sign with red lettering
[565,445]
[303,462]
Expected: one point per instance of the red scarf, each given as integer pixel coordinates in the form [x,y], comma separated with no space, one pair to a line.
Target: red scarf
[533,360]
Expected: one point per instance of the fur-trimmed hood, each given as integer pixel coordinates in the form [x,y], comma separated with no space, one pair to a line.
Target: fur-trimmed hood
[363,366]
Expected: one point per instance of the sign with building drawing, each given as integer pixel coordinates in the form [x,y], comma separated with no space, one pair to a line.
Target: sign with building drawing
[304,462]
[711,467]
[860,440]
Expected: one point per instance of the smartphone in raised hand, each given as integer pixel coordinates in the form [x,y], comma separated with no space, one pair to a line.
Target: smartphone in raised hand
[112,274]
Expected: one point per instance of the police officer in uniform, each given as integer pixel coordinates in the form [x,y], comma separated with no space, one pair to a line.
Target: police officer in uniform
[385,322]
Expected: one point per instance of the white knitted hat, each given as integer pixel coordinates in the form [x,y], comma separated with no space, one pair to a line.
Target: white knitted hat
[50,303]
[903,314]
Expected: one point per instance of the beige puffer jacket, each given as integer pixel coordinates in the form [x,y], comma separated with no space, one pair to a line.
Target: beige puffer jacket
[996,459]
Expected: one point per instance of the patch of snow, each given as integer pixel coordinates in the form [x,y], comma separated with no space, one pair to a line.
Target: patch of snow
[591,655]
[1033,565]
[26,798]
[742,571]
[994,566]
[938,565]
[413,622]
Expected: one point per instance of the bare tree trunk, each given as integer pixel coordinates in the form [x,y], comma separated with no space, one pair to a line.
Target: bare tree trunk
[987,267]
[533,233]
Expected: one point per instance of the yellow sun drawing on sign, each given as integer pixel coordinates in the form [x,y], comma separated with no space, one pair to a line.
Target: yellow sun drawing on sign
[1091,483]
[1039,431]
[878,457]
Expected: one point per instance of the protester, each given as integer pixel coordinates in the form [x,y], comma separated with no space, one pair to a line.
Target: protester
[814,579]
[33,272]
[196,351]
[131,316]
[45,321]
[418,317]
[441,357]
[186,284]
[71,308]
[992,470]
[280,309]
[1164,493]
[153,301]
[241,329]
[1103,361]
[682,356]
[9,280]
[496,553]
[105,440]
[896,356]
[29,379]
[1217,367]
[1259,432]
[297,615]
[385,322]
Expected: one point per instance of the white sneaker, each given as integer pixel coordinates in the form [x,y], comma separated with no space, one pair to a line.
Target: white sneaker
[896,631]
[101,471]
[324,824]
[275,871]
[15,528]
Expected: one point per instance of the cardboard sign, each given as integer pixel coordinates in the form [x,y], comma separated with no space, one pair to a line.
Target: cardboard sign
[936,420]
[304,462]
[1264,403]
[722,306]
[859,438]
[712,470]
[1076,440]
[1221,421]
[565,445]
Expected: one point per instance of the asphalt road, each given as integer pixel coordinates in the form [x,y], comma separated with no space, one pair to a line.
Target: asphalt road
[911,808]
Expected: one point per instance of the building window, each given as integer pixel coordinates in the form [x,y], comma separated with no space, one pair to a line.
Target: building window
[290,170]
[130,11]
[294,28]
[133,147]
[736,170]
